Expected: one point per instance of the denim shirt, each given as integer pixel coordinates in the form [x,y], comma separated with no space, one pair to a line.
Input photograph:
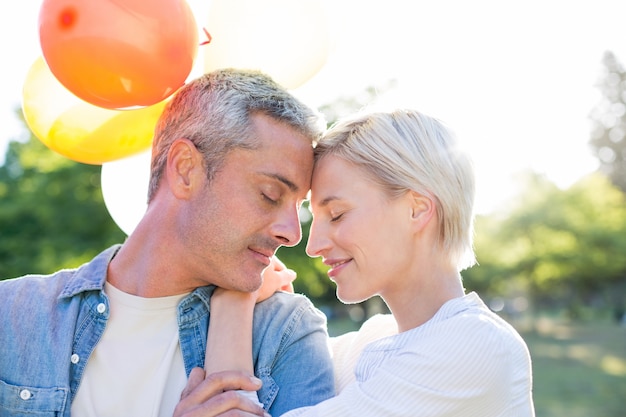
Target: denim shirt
[49,326]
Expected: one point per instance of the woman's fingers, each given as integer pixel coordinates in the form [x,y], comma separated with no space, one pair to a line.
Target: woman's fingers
[216,394]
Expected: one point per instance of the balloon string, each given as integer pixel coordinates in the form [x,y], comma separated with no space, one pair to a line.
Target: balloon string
[209,38]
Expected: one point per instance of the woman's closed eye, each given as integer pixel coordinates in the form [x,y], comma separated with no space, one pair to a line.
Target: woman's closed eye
[334,218]
[268,199]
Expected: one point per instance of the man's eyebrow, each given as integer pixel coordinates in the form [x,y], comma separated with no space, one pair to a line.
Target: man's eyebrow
[293,187]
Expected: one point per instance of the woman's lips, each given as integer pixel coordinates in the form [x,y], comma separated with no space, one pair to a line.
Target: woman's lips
[336,266]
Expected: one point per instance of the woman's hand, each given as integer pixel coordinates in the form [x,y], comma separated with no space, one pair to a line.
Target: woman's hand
[276,277]
[217,394]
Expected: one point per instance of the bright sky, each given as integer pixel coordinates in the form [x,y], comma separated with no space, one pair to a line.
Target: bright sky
[516,80]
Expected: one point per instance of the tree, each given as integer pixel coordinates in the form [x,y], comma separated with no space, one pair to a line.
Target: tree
[565,247]
[608,138]
[52,213]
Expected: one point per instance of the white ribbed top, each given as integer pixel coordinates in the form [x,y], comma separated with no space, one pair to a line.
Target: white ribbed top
[464,362]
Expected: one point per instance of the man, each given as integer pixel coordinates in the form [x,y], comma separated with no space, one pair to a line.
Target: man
[119,336]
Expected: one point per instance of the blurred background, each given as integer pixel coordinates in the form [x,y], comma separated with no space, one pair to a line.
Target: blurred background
[549,143]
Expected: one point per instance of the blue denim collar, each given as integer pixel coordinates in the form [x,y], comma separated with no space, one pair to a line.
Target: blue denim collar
[90,276]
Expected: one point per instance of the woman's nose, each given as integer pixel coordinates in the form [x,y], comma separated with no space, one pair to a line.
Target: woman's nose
[315,245]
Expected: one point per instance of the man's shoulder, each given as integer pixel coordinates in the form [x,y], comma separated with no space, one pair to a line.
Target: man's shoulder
[63,282]
[283,298]
[36,282]
[285,309]
[287,302]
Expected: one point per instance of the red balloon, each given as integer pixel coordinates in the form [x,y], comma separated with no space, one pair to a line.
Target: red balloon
[119,53]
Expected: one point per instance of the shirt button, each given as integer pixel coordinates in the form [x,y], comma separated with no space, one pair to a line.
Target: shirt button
[75,359]
[25,394]
[101,308]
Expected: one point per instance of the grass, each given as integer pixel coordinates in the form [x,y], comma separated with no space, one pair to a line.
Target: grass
[579,368]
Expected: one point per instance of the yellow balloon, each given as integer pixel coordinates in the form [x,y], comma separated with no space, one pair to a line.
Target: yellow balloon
[81,131]
[288,40]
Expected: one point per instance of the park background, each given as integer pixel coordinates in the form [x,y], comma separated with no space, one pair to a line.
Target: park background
[551,248]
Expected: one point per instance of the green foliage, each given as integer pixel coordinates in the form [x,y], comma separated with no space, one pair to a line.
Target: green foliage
[559,246]
[52,213]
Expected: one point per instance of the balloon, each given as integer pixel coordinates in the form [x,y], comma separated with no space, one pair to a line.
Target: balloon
[287,39]
[81,131]
[125,189]
[119,53]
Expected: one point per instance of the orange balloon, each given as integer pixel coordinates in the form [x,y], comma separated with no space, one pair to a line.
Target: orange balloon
[119,53]
[287,39]
[81,131]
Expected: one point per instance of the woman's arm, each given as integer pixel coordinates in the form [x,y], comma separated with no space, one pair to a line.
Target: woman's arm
[229,341]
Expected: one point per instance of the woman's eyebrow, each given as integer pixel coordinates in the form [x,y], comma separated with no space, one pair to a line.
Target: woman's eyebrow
[328,200]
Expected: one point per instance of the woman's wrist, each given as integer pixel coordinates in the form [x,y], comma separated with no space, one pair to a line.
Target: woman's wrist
[229,343]
[232,301]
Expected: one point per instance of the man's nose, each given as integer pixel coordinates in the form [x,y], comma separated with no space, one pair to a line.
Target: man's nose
[287,228]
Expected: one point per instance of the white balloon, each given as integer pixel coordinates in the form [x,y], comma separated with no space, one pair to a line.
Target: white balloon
[289,40]
[125,189]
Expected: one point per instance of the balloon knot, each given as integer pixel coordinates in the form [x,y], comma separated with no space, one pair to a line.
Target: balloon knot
[208,36]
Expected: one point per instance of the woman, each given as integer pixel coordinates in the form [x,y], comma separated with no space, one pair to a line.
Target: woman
[392,200]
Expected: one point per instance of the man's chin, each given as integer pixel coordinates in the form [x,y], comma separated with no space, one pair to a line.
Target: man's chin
[251,284]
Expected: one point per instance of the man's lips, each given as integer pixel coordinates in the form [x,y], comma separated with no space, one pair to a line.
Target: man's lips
[263,255]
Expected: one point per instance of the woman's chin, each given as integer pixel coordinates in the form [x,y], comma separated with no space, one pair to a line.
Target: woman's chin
[349,298]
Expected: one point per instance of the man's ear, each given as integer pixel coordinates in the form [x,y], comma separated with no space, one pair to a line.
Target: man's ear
[184,163]
[422,209]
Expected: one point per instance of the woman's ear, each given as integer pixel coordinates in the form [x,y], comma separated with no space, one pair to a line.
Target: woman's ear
[184,162]
[422,209]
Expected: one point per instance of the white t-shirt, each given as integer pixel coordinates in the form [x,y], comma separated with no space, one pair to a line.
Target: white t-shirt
[136,368]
